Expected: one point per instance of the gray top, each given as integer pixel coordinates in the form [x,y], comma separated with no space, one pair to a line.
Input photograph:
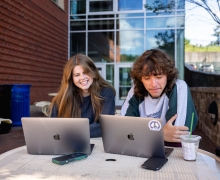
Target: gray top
[177,101]
[87,111]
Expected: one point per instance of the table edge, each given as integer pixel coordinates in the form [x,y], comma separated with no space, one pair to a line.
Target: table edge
[209,154]
[7,153]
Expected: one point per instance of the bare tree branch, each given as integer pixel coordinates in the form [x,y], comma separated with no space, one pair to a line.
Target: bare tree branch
[159,6]
[205,4]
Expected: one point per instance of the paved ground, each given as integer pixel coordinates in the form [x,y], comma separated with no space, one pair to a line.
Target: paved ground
[15,137]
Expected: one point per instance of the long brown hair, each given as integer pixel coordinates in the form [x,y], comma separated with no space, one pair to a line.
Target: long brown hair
[153,62]
[69,97]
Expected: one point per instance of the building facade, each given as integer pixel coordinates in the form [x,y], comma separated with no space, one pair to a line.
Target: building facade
[33,44]
[113,33]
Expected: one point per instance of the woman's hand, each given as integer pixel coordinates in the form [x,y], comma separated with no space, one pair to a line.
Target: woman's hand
[172,133]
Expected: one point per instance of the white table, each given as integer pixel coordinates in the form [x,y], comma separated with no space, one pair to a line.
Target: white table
[18,165]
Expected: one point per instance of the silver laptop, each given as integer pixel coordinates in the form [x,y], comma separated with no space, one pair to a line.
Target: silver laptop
[56,135]
[135,136]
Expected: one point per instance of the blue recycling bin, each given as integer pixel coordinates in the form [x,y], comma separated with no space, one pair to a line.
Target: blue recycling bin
[20,103]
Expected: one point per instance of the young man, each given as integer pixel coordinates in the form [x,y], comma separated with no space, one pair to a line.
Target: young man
[158,93]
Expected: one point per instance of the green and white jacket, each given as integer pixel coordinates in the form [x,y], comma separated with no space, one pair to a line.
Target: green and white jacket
[177,101]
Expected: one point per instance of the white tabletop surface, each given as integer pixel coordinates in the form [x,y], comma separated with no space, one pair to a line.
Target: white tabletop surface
[18,165]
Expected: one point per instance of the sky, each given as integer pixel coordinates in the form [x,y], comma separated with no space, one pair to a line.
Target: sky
[199,26]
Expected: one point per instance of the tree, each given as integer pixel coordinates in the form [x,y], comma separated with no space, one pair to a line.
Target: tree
[165,41]
[212,7]
[209,7]
[160,5]
[187,41]
[217,35]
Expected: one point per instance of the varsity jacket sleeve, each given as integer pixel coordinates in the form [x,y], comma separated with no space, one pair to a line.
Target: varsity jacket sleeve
[181,103]
[131,105]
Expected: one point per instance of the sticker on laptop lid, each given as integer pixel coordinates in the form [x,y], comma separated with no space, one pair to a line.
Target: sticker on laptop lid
[154,125]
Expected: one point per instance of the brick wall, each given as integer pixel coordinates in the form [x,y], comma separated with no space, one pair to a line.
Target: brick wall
[33,45]
[203,97]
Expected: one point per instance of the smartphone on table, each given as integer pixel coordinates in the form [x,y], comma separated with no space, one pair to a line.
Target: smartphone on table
[69,158]
[154,163]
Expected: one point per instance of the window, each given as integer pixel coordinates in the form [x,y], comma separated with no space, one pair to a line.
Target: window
[160,22]
[160,5]
[130,5]
[78,7]
[55,1]
[101,24]
[130,44]
[78,43]
[162,39]
[101,46]
[59,3]
[100,6]
[130,23]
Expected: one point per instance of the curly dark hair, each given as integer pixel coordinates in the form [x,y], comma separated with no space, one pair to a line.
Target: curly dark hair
[153,62]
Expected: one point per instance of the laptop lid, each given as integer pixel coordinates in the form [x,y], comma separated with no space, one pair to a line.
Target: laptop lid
[56,135]
[135,136]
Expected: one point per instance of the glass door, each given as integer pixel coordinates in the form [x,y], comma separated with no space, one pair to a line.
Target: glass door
[106,71]
[102,69]
[123,82]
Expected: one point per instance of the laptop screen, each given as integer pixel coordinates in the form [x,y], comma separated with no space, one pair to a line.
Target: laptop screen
[135,136]
[56,135]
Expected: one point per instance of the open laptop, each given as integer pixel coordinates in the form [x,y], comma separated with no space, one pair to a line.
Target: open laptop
[56,135]
[135,136]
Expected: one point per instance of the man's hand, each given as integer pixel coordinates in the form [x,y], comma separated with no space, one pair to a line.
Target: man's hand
[172,133]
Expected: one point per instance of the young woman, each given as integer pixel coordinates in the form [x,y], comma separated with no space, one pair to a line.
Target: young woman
[83,93]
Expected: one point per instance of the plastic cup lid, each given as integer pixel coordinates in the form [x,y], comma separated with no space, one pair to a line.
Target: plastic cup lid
[188,138]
